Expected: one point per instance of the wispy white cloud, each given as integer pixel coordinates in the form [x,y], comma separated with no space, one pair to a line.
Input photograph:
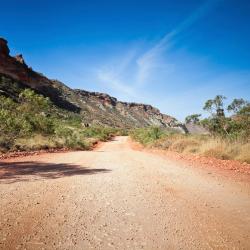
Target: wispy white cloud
[112,74]
[151,59]
[135,70]
[112,79]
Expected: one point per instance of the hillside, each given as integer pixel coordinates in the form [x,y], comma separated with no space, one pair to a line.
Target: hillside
[94,108]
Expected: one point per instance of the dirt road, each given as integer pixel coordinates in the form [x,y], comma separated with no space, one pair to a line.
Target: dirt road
[119,198]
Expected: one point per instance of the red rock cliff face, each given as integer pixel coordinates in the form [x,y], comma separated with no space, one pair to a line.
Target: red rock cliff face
[4,49]
[11,66]
[16,69]
[96,108]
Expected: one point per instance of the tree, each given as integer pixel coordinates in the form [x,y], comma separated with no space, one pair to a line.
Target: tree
[195,118]
[217,124]
[215,106]
[237,105]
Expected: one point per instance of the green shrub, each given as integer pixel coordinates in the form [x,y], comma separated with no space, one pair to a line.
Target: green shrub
[101,133]
[32,122]
[147,135]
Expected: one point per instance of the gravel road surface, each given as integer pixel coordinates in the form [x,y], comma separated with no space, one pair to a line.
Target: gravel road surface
[116,197]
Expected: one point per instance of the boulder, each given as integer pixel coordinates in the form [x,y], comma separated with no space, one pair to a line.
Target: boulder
[19,58]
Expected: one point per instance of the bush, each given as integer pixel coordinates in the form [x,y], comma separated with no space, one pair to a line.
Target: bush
[33,123]
[101,133]
[149,135]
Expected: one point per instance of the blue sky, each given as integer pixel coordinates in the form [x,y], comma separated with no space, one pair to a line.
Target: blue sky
[172,54]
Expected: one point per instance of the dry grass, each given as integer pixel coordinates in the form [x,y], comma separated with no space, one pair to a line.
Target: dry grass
[244,154]
[206,146]
[36,142]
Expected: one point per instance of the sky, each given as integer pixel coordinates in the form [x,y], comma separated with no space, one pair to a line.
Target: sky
[173,55]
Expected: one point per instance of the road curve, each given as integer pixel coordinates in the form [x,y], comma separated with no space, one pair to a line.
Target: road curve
[118,198]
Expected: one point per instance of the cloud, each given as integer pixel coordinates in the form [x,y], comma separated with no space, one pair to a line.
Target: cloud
[112,79]
[151,59]
[113,74]
[132,71]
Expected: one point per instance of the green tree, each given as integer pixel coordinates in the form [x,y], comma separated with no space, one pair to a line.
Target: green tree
[237,105]
[215,106]
[195,118]
[217,123]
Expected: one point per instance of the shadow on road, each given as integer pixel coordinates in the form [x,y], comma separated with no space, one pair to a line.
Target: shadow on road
[31,171]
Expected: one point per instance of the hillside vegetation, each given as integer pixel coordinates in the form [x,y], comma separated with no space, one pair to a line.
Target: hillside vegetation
[33,122]
[228,138]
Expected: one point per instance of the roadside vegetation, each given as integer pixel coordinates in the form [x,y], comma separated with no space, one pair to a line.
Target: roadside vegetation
[228,137]
[32,122]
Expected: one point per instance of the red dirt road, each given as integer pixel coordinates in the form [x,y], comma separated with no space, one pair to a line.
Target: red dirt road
[118,198]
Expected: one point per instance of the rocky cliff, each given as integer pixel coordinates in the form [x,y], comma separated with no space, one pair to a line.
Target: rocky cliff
[95,108]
